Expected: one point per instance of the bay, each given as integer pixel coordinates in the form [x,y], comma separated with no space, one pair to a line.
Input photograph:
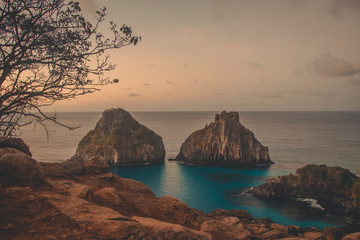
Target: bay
[294,140]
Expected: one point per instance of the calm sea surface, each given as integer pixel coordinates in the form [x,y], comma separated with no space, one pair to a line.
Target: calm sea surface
[294,139]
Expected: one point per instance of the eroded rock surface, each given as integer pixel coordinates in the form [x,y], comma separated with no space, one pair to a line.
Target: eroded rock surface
[119,139]
[225,142]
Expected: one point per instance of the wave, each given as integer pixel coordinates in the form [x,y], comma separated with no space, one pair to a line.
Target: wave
[312,202]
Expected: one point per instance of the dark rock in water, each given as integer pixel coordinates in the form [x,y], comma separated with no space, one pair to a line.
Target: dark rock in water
[17,143]
[333,189]
[224,142]
[119,139]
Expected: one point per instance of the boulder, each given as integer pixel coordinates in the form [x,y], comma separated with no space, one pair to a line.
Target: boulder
[19,169]
[352,236]
[164,230]
[239,213]
[226,228]
[225,142]
[119,139]
[17,143]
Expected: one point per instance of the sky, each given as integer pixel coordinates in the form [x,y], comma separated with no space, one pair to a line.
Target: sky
[238,55]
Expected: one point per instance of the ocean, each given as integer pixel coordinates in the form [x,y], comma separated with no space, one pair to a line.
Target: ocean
[294,139]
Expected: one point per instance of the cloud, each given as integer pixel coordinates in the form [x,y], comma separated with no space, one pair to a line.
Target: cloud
[255,64]
[298,73]
[147,84]
[319,94]
[354,82]
[271,95]
[330,66]
[291,93]
[168,82]
[219,93]
[340,8]
[322,94]
[126,88]
[133,95]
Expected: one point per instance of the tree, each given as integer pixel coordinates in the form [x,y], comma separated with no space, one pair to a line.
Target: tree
[49,52]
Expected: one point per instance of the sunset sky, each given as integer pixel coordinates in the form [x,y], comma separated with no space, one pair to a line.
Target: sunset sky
[249,55]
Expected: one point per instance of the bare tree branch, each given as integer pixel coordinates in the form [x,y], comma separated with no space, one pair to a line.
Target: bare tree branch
[49,52]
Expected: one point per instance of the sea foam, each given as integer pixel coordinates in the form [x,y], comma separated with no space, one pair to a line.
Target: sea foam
[312,202]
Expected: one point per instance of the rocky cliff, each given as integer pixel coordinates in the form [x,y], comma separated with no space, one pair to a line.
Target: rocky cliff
[63,201]
[224,142]
[335,189]
[119,139]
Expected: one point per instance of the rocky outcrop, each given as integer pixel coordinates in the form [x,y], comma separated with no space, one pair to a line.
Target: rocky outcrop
[334,189]
[19,169]
[225,142]
[70,203]
[119,139]
[17,143]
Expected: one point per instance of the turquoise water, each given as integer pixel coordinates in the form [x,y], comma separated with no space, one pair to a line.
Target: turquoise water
[294,139]
[209,188]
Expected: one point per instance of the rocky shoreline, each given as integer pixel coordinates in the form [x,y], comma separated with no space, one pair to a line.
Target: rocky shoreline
[333,189]
[71,200]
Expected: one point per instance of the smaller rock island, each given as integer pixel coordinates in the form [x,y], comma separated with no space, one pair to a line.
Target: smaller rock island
[225,142]
[119,139]
[333,189]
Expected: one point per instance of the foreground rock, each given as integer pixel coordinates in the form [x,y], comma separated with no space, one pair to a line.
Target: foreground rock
[335,189]
[17,143]
[119,139]
[70,203]
[225,142]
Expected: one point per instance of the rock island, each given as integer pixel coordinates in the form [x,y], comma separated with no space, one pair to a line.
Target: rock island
[225,142]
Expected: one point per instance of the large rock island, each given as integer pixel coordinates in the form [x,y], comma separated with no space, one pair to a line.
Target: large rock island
[61,201]
[225,142]
[119,139]
[333,189]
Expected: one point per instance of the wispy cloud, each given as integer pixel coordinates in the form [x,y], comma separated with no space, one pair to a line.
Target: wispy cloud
[168,82]
[133,95]
[330,66]
[271,94]
[126,88]
[255,64]
[147,84]
[298,73]
[354,82]
[219,93]
[291,93]
[341,8]
[322,94]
